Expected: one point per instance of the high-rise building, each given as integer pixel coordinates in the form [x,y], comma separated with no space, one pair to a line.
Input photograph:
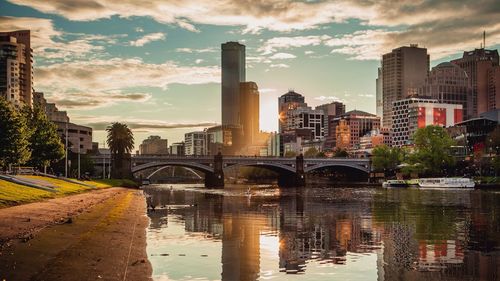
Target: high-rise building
[177,148]
[448,83]
[359,123]
[249,112]
[403,71]
[195,143]
[16,72]
[378,97]
[494,88]
[233,73]
[331,110]
[154,145]
[477,64]
[413,113]
[306,118]
[289,101]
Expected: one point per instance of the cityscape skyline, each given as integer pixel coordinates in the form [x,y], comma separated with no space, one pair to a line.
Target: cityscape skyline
[274,58]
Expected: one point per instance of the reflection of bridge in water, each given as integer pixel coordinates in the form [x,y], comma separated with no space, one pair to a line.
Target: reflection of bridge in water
[291,171]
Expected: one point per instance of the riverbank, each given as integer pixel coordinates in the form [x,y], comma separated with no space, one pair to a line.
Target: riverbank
[89,236]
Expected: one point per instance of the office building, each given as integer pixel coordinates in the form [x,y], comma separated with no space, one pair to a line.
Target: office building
[359,123]
[306,118]
[403,71]
[79,137]
[331,110]
[413,113]
[375,138]
[177,149]
[379,102]
[289,101]
[273,145]
[448,83]
[154,145]
[493,88]
[233,73]
[249,112]
[478,63]
[16,72]
[195,143]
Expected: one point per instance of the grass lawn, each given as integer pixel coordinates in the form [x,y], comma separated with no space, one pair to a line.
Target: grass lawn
[14,194]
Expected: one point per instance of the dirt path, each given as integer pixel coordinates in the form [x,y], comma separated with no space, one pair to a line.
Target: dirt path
[105,239]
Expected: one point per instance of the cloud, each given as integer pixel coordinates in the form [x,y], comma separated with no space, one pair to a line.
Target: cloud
[112,74]
[148,38]
[49,43]
[281,56]
[81,100]
[198,61]
[279,65]
[328,98]
[190,50]
[148,125]
[273,44]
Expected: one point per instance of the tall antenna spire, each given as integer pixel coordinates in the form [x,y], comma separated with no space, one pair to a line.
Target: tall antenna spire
[484,39]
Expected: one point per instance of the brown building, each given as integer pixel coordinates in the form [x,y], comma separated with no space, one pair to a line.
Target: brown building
[249,112]
[448,83]
[343,135]
[477,64]
[16,72]
[289,101]
[403,71]
[360,123]
[493,88]
[154,145]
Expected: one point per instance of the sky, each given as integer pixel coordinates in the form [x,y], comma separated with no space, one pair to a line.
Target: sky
[155,65]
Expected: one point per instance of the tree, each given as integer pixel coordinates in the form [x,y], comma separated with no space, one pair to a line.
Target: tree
[432,150]
[321,154]
[385,158]
[14,136]
[44,142]
[341,153]
[311,152]
[290,154]
[120,142]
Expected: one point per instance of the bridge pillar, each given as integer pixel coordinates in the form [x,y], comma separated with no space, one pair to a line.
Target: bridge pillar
[297,179]
[215,179]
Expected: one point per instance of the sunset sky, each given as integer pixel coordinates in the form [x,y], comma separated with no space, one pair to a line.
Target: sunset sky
[155,65]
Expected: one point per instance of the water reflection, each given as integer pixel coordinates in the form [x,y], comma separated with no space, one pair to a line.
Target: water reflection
[321,233]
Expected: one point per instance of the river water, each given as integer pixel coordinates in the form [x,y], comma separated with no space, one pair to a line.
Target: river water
[323,234]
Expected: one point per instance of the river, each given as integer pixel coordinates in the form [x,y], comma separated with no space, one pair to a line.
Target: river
[324,233]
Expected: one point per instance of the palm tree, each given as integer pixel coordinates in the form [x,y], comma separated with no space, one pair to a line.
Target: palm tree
[120,142]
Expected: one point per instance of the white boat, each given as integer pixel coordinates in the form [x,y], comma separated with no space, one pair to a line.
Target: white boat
[395,183]
[446,182]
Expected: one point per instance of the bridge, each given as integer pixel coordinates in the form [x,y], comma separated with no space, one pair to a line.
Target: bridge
[291,171]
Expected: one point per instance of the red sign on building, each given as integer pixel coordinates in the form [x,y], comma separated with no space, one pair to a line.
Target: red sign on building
[458,115]
[421,117]
[439,117]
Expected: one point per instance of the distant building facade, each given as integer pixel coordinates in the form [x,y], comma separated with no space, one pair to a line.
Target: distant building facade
[379,102]
[403,71]
[306,118]
[359,124]
[478,64]
[249,112]
[448,83]
[289,101]
[413,113]
[195,143]
[16,71]
[177,149]
[154,145]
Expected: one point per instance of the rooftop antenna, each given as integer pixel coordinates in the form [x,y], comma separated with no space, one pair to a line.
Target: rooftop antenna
[484,39]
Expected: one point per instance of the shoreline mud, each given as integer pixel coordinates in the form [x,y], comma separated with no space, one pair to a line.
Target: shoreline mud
[98,235]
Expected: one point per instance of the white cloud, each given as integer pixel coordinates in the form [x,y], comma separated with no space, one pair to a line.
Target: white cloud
[328,98]
[148,38]
[190,50]
[139,29]
[273,44]
[282,56]
[279,65]
[90,100]
[198,61]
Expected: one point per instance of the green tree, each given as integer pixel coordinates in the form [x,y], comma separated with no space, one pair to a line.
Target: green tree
[385,158]
[432,150]
[44,142]
[341,153]
[14,136]
[121,142]
[311,152]
[290,154]
[321,154]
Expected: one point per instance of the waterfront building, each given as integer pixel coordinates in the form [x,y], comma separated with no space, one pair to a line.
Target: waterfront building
[375,138]
[413,113]
[478,64]
[249,112]
[448,83]
[273,145]
[195,143]
[233,73]
[154,145]
[473,133]
[403,71]
[16,72]
[177,149]
[306,118]
[289,101]
[359,123]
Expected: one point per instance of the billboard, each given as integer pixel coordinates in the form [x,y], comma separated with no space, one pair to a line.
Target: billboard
[439,116]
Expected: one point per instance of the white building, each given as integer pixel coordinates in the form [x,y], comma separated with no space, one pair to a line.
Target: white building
[410,114]
[195,143]
[307,118]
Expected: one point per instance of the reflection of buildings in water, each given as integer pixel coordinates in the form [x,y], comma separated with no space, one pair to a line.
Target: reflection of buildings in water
[433,254]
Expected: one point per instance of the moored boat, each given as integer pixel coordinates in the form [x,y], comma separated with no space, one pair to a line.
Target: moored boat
[446,183]
[395,183]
